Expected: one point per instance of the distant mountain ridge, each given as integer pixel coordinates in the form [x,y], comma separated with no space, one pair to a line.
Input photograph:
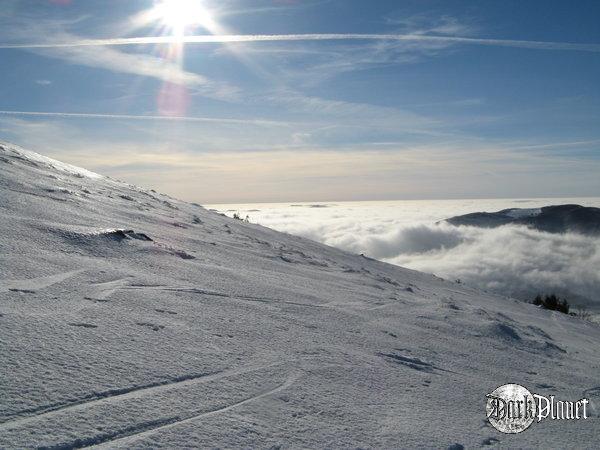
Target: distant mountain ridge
[552,219]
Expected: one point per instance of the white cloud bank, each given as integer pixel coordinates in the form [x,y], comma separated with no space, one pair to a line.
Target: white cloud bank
[511,260]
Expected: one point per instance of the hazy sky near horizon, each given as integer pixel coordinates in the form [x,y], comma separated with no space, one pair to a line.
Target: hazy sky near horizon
[316,100]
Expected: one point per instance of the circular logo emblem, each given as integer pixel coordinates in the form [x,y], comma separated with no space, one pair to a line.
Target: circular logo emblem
[510,408]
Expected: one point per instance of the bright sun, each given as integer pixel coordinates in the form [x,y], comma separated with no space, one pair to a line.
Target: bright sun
[178,15]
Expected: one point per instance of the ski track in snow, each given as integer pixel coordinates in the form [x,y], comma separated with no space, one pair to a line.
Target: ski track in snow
[121,394]
[135,433]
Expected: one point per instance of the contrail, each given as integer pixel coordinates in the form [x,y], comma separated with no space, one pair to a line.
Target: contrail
[210,39]
[257,122]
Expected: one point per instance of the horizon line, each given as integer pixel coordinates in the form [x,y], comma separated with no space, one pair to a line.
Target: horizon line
[315,202]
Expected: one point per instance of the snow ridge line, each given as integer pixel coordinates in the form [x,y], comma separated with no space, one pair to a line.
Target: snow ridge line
[33,284]
[144,429]
[193,290]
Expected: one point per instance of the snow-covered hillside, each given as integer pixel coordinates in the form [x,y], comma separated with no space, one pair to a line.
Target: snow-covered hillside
[129,319]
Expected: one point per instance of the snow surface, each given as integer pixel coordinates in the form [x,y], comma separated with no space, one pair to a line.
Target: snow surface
[129,319]
[519,213]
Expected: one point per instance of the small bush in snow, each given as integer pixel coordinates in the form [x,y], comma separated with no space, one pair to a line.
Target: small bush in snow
[238,217]
[582,313]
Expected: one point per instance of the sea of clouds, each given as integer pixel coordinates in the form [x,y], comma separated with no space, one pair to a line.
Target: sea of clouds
[512,260]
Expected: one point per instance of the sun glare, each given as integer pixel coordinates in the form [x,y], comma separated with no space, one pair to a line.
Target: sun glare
[178,15]
[176,19]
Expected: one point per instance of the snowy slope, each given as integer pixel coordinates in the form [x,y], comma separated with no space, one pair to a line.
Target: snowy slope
[129,319]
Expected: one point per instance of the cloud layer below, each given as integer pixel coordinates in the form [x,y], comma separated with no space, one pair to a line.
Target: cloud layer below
[511,260]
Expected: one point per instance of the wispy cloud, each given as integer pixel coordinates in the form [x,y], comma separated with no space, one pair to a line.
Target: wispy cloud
[103,56]
[338,118]
[556,145]
[133,63]
[428,24]
[281,7]
[329,61]
[352,52]
[257,122]
[207,39]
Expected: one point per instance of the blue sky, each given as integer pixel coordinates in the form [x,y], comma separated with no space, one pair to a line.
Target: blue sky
[313,100]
